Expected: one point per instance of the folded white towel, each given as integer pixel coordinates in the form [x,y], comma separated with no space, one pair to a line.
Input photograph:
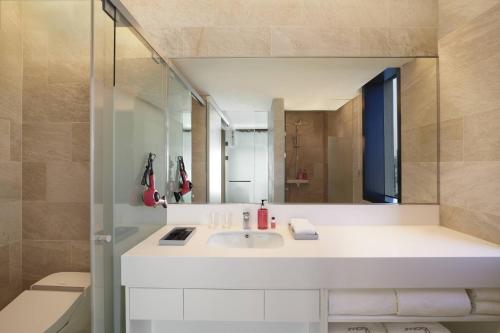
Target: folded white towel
[486,308]
[485,294]
[302,226]
[356,328]
[362,302]
[433,302]
[415,328]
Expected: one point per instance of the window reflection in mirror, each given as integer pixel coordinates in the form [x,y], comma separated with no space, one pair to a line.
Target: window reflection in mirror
[312,130]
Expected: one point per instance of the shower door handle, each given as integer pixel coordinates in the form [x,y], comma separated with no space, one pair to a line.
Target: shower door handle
[103,238]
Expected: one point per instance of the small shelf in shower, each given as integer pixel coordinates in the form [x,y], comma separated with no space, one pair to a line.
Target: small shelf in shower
[297,182]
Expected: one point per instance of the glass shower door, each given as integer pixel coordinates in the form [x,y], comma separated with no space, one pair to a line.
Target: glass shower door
[129,121]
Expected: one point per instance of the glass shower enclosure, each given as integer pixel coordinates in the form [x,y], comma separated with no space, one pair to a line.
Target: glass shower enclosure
[129,120]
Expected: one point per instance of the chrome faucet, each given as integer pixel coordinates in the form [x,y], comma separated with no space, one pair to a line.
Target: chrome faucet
[246,220]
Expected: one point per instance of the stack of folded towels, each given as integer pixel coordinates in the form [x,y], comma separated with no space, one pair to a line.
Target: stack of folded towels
[387,328]
[433,302]
[485,301]
[362,302]
[303,229]
[356,328]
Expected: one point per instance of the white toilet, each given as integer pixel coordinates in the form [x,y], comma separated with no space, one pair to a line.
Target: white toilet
[58,303]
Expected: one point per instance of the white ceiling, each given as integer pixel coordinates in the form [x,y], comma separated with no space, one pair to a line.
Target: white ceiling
[250,84]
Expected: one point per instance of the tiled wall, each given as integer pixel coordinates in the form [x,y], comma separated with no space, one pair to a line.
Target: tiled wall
[339,131]
[199,153]
[469,50]
[11,73]
[345,132]
[276,149]
[216,28]
[311,155]
[419,135]
[55,138]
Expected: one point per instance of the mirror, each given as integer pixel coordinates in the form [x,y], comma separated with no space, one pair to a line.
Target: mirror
[306,130]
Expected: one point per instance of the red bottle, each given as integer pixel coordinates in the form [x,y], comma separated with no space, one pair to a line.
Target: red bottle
[262,216]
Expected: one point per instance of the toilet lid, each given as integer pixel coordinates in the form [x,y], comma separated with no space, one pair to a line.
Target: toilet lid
[64,281]
[37,311]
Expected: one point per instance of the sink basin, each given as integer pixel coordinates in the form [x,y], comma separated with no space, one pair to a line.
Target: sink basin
[246,239]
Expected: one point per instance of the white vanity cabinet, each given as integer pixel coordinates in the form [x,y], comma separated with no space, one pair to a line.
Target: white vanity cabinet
[292,305]
[222,305]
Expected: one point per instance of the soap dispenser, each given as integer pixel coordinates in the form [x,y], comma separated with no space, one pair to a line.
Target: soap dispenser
[262,216]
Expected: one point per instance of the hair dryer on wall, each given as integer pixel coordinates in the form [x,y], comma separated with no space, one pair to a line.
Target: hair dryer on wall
[151,196]
[185,185]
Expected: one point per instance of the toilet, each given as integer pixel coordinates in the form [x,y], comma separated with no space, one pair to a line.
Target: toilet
[59,302]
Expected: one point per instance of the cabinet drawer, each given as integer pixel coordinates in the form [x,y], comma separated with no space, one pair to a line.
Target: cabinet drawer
[292,305]
[223,305]
[156,304]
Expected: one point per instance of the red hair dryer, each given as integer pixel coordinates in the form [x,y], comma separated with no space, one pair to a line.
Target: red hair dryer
[151,196]
[185,185]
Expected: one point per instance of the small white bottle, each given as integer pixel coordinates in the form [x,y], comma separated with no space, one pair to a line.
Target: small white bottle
[273,222]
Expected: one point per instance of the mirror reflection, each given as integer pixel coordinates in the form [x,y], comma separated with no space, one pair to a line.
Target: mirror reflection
[303,130]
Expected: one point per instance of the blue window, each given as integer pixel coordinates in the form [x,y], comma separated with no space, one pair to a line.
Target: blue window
[381,134]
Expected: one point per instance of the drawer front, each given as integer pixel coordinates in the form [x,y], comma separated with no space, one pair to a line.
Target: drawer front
[156,304]
[223,305]
[292,305]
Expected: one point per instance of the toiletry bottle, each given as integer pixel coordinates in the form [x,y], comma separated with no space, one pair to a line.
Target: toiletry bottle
[273,222]
[262,216]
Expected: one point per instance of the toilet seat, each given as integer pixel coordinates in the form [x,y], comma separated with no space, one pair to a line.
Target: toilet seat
[64,281]
[36,311]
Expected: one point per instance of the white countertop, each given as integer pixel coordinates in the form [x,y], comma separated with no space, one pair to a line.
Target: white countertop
[343,257]
[333,242]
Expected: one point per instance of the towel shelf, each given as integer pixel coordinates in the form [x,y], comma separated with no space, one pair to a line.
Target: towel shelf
[407,319]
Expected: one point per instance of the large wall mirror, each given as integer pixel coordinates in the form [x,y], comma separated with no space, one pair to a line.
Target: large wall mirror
[305,130]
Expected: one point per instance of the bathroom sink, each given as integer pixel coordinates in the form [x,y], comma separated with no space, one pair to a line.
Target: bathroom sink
[246,239]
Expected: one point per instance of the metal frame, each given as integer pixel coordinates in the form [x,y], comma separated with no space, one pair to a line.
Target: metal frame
[128,16]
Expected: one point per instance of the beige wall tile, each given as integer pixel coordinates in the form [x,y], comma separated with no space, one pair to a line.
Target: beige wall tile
[41,258]
[34,181]
[10,180]
[241,41]
[80,256]
[420,144]
[416,22]
[4,139]
[419,182]
[11,222]
[35,94]
[481,136]
[482,187]
[410,13]
[16,141]
[10,64]
[46,142]
[15,267]
[346,13]
[259,13]
[4,263]
[301,41]
[68,102]
[56,221]
[455,13]
[452,184]
[451,140]
[68,182]
[471,222]
[470,104]
[80,139]
[413,41]
[194,42]
[375,41]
